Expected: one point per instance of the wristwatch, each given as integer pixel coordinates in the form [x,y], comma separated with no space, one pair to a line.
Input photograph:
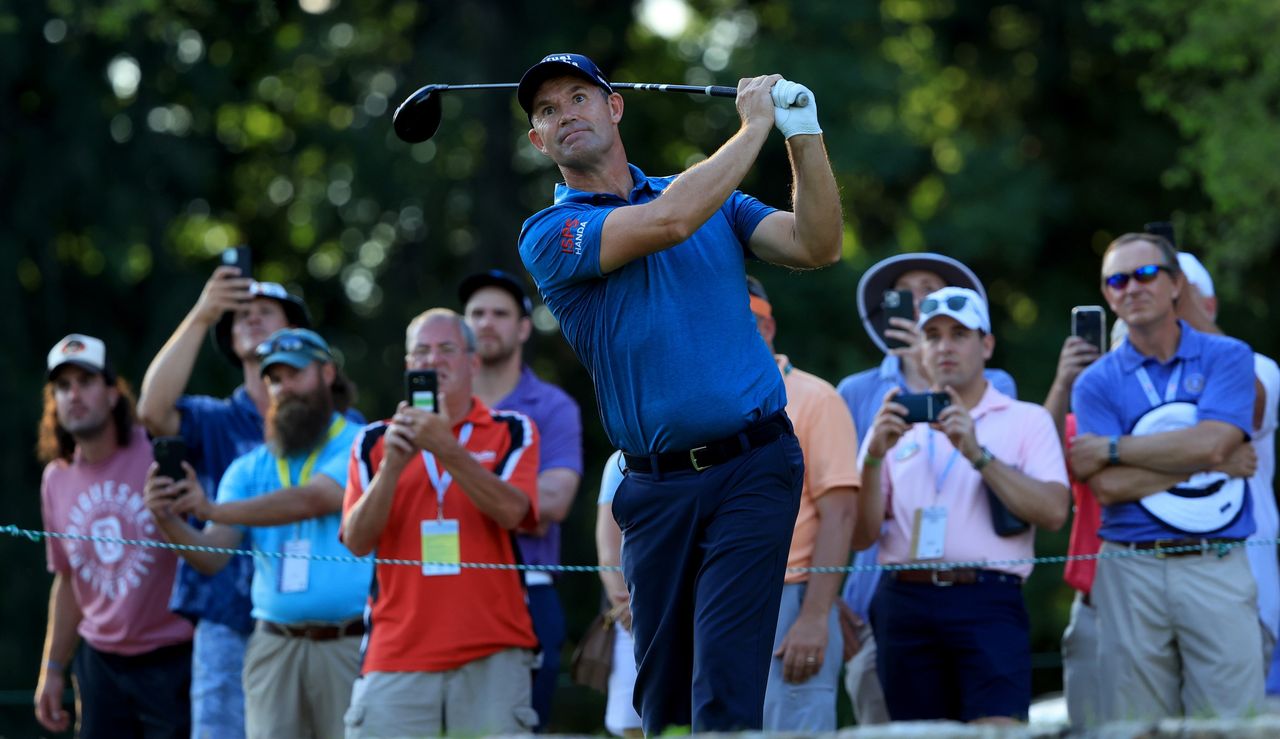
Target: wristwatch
[983,459]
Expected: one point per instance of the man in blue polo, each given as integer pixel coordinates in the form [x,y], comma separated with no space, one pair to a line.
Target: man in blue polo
[498,311]
[647,279]
[1164,420]
[903,367]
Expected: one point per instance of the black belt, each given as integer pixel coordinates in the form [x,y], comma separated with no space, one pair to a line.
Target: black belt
[315,632]
[715,452]
[1187,547]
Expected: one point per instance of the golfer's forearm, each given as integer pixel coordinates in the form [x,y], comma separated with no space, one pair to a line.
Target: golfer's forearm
[816,201]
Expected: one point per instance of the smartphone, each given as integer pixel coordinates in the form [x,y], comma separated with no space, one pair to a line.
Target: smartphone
[239,256]
[923,407]
[170,451]
[1090,323]
[1161,228]
[899,304]
[420,389]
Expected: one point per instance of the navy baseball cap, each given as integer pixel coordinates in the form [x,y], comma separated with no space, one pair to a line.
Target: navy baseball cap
[557,65]
[499,279]
[296,347]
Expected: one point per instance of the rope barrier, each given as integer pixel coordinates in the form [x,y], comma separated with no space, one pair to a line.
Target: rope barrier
[1222,549]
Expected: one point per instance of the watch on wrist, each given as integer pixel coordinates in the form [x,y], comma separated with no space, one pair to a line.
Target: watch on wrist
[983,459]
[1113,450]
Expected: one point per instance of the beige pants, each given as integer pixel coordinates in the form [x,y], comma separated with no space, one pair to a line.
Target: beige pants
[862,683]
[295,687]
[487,696]
[1177,636]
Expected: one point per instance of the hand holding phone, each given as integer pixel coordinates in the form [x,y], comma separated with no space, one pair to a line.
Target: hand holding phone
[922,407]
[241,257]
[170,452]
[897,304]
[1089,322]
[421,388]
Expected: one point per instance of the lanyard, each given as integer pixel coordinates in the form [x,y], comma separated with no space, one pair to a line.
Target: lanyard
[1170,390]
[442,480]
[282,464]
[946,471]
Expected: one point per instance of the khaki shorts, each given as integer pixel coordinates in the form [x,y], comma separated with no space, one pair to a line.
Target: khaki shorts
[487,696]
[298,687]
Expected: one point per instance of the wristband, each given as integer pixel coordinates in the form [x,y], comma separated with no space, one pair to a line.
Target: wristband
[983,459]
[53,665]
[1113,450]
[871,460]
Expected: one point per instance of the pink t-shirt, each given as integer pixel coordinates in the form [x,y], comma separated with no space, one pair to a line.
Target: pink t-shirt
[123,590]
[1019,434]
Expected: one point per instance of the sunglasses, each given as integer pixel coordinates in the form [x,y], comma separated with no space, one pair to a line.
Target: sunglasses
[933,305]
[1143,275]
[291,343]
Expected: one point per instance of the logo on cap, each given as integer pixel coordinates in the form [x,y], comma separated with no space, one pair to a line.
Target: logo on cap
[74,346]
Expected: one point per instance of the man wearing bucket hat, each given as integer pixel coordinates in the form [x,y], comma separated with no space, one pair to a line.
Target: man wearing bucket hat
[970,486]
[238,314]
[1177,630]
[921,273]
[285,497]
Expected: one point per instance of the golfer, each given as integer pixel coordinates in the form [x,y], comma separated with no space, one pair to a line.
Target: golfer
[646,277]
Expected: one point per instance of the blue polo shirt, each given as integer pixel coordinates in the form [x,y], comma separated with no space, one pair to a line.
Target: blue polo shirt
[864,394]
[336,591]
[669,339]
[1108,399]
[559,425]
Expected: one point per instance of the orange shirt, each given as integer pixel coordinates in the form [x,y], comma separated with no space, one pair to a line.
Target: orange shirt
[830,446]
[420,623]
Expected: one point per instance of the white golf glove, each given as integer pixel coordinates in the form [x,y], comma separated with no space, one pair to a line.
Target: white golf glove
[790,119]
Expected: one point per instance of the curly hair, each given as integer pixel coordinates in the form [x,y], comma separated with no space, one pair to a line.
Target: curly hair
[55,442]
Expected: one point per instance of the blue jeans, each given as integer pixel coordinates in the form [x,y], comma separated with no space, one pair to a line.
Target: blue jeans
[217,698]
[809,706]
[704,554]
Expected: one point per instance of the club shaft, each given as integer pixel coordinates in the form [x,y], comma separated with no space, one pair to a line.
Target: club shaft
[719,91]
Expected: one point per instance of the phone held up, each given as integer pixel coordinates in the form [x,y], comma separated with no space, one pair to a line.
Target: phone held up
[420,388]
[239,256]
[170,451]
[897,304]
[1089,322]
[922,407]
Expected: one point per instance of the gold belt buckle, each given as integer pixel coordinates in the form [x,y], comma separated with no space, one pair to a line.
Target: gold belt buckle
[933,575]
[693,459]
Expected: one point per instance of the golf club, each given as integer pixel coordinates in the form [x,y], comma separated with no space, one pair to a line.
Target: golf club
[418,116]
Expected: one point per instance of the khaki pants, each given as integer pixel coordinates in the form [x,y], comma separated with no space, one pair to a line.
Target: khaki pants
[862,683]
[296,687]
[487,696]
[1080,665]
[1177,636]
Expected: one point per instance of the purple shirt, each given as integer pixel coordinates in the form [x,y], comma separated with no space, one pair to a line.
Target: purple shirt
[559,425]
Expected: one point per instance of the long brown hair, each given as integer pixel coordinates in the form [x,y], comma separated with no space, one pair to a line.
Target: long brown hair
[55,442]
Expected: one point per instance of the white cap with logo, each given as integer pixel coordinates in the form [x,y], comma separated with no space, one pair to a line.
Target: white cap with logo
[83,351]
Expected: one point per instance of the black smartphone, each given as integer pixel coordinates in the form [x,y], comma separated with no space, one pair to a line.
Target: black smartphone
[420,389]
[897,304]
[239,256]
[170,451]
[1161,228]
[923,407]
[1089,322]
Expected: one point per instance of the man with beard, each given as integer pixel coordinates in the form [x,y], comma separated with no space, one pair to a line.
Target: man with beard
[284,497]
[134,668]
[238,314]
[449,648]
[498,312]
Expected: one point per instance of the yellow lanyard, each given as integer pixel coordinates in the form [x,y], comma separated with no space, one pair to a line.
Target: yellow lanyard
[282,464]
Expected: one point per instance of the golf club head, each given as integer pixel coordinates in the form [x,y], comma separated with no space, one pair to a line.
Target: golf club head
[418,117]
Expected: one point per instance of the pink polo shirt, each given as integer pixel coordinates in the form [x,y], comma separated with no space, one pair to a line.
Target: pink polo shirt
[1019,434]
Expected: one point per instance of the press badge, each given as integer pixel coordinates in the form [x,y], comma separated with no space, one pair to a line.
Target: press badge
[929,533]
[295,569]
[440,545]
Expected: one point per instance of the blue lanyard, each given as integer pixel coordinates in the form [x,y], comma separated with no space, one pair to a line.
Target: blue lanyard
[442,480]
[946,471]
[1148,387]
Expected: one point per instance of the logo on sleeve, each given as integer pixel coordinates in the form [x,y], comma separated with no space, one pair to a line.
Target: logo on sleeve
[571,236]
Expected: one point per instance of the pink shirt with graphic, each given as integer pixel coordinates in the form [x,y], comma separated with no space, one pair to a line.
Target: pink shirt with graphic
[123,590]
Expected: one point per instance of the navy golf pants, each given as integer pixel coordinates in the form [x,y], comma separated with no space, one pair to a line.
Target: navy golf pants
[704,554]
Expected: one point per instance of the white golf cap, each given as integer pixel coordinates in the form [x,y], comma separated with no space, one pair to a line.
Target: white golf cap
[83,351]
[1196,273]
[960,303]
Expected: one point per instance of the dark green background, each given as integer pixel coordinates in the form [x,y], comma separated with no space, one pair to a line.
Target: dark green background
[1018,137]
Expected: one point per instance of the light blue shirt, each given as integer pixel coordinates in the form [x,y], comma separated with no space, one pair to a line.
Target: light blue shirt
[864,394]
[336,591]
[668,339]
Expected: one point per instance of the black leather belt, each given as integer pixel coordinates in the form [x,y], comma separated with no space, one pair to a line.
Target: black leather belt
[1187,547]
[315,632]
[715,452]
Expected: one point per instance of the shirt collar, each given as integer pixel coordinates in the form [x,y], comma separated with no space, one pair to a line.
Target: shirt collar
[477,416]
[784,364]
[240,397]
[1188,348]
[891,369]
[992,400]
[640,183]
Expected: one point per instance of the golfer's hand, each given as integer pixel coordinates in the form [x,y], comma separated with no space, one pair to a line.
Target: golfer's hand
[790,119]
[754,102]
